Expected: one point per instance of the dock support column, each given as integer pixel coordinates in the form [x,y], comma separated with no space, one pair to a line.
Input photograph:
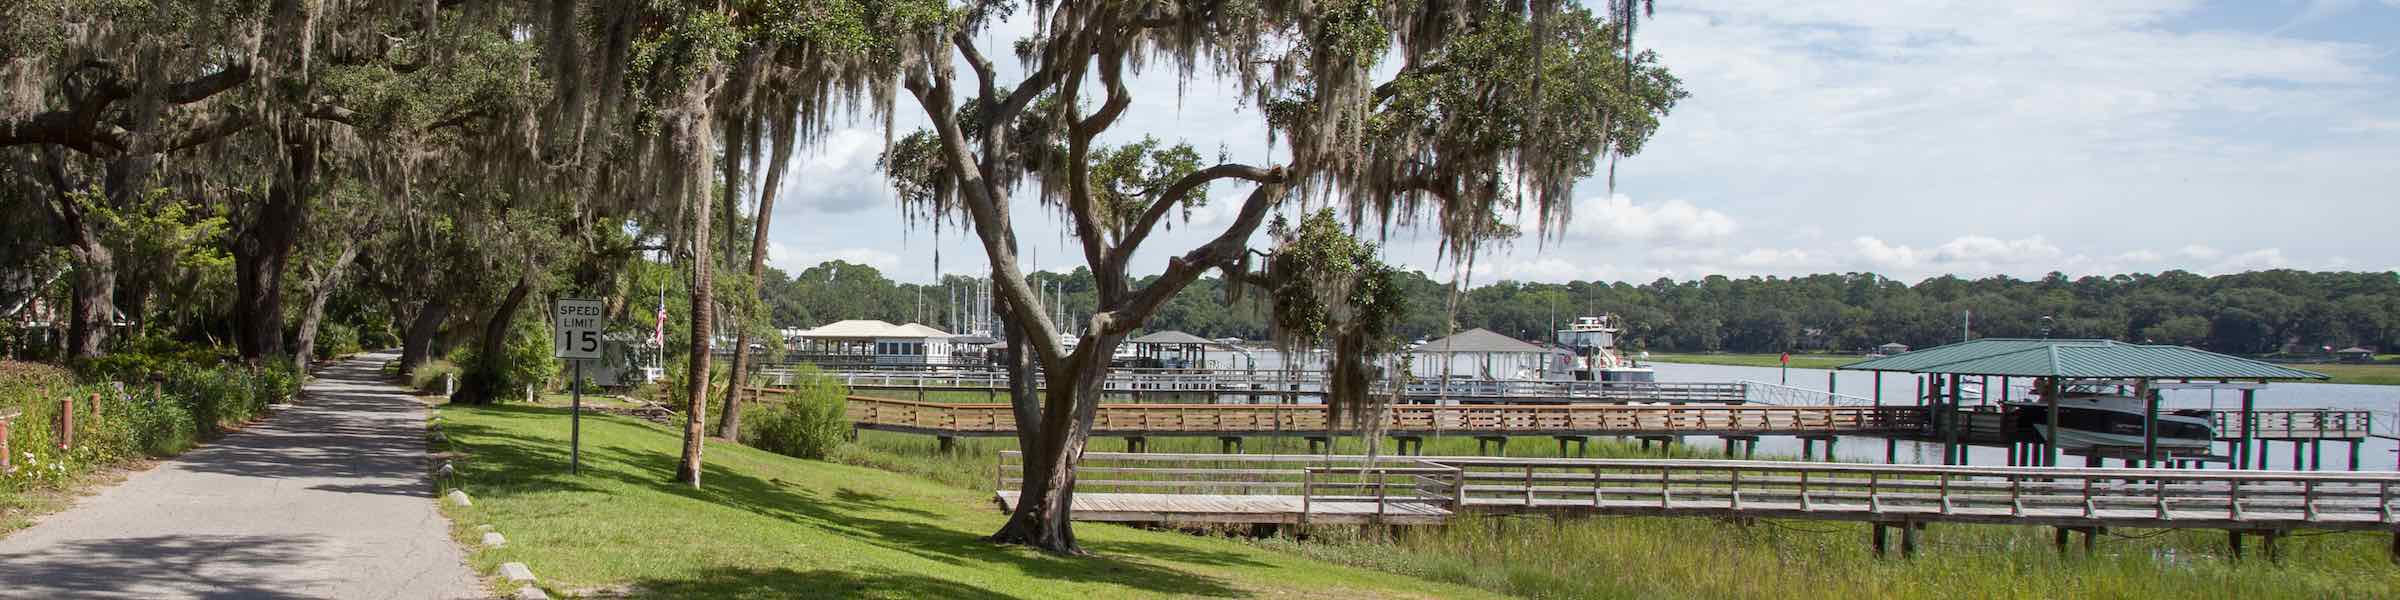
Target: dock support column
[2091,540]
[1231,444]
[1581,445]
[2264,449]
[1878,536]
[1318,444]
[1891,450]
[2233,543]
[1483,442]
[2299,458]
[1908,538]
[1137,444]
[2269,539]
[2354,444]
[2249,429]
[2316,455]
[948,443]
[1808,449]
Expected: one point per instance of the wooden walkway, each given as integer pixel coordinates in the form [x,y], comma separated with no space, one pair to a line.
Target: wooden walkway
[1278,384]
[1130,420]
[1310,489]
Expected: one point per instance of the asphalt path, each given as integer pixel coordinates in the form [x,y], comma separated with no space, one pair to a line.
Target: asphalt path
[329,499]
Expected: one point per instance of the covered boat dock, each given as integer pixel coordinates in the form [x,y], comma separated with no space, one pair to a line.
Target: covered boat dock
[1946,371]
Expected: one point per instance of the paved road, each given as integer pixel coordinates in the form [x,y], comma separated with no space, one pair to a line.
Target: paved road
[327,500]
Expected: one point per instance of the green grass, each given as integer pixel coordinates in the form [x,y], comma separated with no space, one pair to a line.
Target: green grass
[1799,361]
[769,526]
[2365,374]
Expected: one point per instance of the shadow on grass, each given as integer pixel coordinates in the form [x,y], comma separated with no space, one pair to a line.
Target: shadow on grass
[501,464]
[822,583]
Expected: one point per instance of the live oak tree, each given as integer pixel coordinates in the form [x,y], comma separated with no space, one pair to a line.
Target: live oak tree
[1492,106]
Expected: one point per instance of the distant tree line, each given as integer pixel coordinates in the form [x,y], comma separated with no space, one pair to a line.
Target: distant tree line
[2259,312]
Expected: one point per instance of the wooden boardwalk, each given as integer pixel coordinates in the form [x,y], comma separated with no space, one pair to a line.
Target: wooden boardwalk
[979,419]
[1278,384]
[1313,489]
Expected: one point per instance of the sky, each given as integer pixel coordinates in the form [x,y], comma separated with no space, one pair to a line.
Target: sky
[1910,138]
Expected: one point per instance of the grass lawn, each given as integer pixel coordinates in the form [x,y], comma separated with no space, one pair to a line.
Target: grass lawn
[2368,374]
[1799,361]
[769,526]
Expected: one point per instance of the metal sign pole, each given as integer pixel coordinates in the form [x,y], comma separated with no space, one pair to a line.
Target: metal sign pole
[575,428]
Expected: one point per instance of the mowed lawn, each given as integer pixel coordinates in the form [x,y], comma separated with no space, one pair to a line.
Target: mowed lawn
[770,526]
[1799,361]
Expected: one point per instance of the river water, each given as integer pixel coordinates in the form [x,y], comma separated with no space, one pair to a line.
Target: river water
[2377,454]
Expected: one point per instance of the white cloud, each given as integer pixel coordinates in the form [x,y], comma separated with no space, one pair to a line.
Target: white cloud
[1875,253]
[1617,219]
[2200,252]
[837,175]
[2263,258]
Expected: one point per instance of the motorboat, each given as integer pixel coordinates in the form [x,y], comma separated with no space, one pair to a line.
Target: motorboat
[1592,344]
[2108,416]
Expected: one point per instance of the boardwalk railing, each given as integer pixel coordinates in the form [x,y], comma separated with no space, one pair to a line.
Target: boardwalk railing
[2297,423]
[1239,488]
[965,419]
[2066,497]
[1759,392]
[1269,383]
[2061,497]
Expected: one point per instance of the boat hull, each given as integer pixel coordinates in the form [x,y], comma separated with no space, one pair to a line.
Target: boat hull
[2076,439]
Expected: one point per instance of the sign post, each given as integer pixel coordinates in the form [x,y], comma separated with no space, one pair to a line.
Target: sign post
[576,326]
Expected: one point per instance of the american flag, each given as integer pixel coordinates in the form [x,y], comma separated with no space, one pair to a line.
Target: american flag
[658,332]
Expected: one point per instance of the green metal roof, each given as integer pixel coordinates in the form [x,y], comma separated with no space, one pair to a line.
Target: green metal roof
[2094,359]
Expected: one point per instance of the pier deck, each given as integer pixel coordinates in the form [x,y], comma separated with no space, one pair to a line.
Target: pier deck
[1314,489]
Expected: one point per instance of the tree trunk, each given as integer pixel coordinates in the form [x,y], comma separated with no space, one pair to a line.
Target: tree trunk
[416,346]
[95,283]
[699,193]
[259,257]
[1042,518]
[320,289]
[483,381]
[730,426]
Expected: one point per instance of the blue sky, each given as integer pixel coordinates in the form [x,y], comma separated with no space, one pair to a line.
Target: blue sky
[1909,138]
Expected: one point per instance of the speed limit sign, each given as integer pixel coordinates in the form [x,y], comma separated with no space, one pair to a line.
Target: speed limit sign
[577,325]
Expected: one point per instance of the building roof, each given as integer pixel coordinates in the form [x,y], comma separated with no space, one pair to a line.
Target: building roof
[2088,359]
[914,329]
[869,328]
[1172,338]
[1478,341]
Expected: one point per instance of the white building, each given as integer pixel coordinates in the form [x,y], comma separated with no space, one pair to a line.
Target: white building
[1479,354]
[876,342]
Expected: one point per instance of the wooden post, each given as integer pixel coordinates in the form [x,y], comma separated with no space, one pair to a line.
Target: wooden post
[2233,542]
[1908,538]
[1891,450]
[2141,389]
[2269,538]
[6,468]
[2050,443]
[2058,538]
[1879,540]
[2316,455]
[2091,540]
[2354,444]
[1878,389]
[66,422]
[2249,425]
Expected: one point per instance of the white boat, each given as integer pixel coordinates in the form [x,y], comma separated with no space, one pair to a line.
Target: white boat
[1593,340]
[2105,417]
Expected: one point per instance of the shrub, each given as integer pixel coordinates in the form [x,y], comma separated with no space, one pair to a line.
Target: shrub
[335,339]
[809,422]
[428,377]
[153,401]
[525,360]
